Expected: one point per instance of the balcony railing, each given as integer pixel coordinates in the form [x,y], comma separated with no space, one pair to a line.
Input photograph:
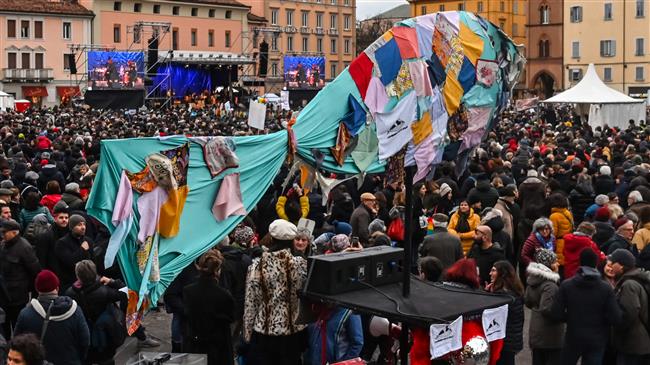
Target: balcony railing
[28,74]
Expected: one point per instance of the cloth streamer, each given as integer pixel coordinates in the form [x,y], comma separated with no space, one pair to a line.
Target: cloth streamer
[229,201]
[361,71]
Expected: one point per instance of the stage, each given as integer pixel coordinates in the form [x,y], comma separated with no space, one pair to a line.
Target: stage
[115,99]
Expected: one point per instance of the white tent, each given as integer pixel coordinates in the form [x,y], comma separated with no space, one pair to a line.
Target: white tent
[272,98]
[605,105]
[6,101]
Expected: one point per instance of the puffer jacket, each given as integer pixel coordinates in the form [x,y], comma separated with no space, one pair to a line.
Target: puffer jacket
[18,266]
[562,221]
[466,238]
[642,237]
[485,193]
[271,301]
[543,331]
[574,243]
[631,335]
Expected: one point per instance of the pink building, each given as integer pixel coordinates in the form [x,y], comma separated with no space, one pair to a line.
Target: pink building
[34,39]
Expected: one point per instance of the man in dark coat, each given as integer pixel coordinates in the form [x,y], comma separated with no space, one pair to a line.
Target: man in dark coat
[622,238]
[588,306]
[18,266]
[362,216]
[72,197]
[67,338]
[441,244]
[46,242]
[484,192]
[604,183]
[72,248]
[485,252]
[604,229]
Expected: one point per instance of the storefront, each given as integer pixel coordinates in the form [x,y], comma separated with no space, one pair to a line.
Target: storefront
[35,94]
[67,93]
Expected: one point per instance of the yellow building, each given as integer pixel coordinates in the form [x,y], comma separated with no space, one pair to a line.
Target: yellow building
[509,15]
[613,35]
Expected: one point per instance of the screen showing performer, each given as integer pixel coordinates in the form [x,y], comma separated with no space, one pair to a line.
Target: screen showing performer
[116,70]
[304,72]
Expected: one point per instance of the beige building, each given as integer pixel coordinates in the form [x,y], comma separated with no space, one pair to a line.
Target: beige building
[614,36]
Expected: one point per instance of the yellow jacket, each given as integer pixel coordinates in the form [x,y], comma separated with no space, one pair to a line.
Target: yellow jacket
[562,221]
[304,207]
[466,238]
[642,237]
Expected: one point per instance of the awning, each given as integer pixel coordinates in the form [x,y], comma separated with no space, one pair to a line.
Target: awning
[67,91]
[31,91]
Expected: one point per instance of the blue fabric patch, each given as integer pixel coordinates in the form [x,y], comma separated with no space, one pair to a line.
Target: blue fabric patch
[467,76]
[437,72]
[355,118]
[389,61]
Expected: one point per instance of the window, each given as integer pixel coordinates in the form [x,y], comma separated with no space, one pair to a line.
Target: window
[38,29]
[461,6]
[423,9]
[346,46]
[515,29]
[227,39]
[576,14]
[210,38]
[346,22]
[24,28]
[289,43]
[66,61]
[502,24]
[515,7]
[117,6]
[176,10]
[11,60]
[67,30]
[274,43]
[319,45]
[25,60]
[640,47]
[38,61]
[274,69]
[228,14]
[319,20]
[212,13]
[544,15]
[195,12]
[11,28]
[575,74]
[274,16]
[608,48]
[502,6]
[333,70]
[290,17]
[640,8]
[333,2]
[137,7]
[607,74]
[333,21]
[479,7]
[305,44]
[117,33]
[175,38]
[156,9]
[608,11]
[575,49]
[333,48]
[441,7]
[304,17]
[544,48]
[193,38]
[346,2]
[639,74]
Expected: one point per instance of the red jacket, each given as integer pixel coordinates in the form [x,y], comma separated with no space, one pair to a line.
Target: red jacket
[50,201]
[43,143]
[573,245]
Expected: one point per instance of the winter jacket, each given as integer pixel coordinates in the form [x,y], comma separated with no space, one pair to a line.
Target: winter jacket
[442,245]
[48,173]
[631,335]
[574,243]
[44,245]
[271,301]
[637,207]
[173,296]
[485,193]
[233,275]
[588,306]
[528,250]
[282,201]
[343,337]
[642,237]
[50,200]
[581,197]
[19,267]
[26,216]
[502,238]
[617,241]
[43,143]
[68,252]
[67,337]
[514,340]
[360,220]
[604,231]
[73,200]
[466,238]
[562,220]
[507,215]
[543,331]
[485,259]
[604,184]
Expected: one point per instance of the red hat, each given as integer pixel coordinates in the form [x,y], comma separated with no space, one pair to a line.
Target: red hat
[46,281]
[619,222]
[44,162]
[602,214]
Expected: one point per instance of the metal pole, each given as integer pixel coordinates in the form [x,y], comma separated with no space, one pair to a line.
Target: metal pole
[408,230]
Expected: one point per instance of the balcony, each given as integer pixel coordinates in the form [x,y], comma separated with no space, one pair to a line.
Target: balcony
[305,30]
[333,31]
[28,74]
[290,29]
[319,30]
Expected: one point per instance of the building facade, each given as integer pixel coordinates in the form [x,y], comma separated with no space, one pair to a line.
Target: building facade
[613,35]
[34,41]
[544,67]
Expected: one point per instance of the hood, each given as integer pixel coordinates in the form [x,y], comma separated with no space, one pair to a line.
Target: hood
[575,243]
[538,273]
[587,276]
[49,170]
[483,186]
[495,224]
[584,189]
[62,307]
[230,252]
[640,275]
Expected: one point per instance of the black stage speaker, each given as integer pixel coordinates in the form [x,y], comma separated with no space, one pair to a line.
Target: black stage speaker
[348,271]
[152,55]
[264,58]
[72,62]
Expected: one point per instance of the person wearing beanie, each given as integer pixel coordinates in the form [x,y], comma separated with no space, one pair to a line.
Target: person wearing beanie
[630,336]
[604,228]
[483,193]
[444,202]
[67,337]
[271,297]
[600,201]
[72,197]
[545,335]
[604,182]
[72,248]
[587,304]
[18,266]
[574,245]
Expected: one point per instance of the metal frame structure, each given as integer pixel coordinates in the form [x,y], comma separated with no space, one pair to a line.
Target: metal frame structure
[80,52]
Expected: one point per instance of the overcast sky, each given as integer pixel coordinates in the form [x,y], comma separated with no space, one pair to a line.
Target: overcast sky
[368,8]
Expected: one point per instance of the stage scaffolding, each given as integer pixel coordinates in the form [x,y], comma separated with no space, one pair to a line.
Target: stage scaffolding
[80,52]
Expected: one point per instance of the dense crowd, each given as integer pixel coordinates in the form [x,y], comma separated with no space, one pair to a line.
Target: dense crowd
[548,211]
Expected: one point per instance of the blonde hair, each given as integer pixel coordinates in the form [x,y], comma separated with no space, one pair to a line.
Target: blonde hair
[209,264]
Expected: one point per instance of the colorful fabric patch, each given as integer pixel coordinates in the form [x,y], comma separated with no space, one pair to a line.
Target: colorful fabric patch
[171,211]
[376,97]
[441,47]
[402,82]
[477,123]
[134,315]
[342,141]
[457,124]
[420,77]
[422,128]
[361,71]
[143,254]
[455,60]
[436,70]
[453,92]
[367,146]
[162,170]
[424,29]
[486,72]
[228,202]
[355,119]
[142,181]
[180,159]
[407,41]
[395,166]
[394,128]
[388,61]
[467,75]
[471,42]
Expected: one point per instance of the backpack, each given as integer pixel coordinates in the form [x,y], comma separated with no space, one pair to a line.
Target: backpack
[35,230]
[109,330]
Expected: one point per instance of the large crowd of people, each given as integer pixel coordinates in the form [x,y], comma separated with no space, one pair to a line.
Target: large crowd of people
[548,211]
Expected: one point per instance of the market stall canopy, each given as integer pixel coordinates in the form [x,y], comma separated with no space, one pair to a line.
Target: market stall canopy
[591,90]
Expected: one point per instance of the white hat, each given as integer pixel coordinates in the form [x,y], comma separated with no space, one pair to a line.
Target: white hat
[605,170]
[283,230]
[444,189]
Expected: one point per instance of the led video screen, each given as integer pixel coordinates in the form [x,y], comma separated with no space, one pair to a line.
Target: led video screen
[115,70]
[304,72]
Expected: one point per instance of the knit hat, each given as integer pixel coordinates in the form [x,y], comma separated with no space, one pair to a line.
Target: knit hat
[243,235]
[7,184]
[377,225]
[342,228]
[602,214]
[6,192]
[46,281]
[75,220]
[31,175]
[72,188]
[601,199]
[440,220]
[623,257]
[508,190]
[444,189]
[545,257]
[60,207]
[473,199]
[340,242]
[588,257]
[281,230]
[605,170]
[619,222]
[9,225]
[45,155]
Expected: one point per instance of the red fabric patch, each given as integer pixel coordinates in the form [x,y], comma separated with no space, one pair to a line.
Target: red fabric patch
[407,41]
[361,71]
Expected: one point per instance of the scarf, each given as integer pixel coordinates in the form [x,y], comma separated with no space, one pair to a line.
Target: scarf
[463,224]
[547,244]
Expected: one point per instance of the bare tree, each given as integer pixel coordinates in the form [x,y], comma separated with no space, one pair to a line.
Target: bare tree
[369,30]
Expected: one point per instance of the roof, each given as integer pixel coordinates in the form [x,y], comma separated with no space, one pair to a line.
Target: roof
[591,90]
[256,18]
[234,3]
[63,7]
[398,12]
